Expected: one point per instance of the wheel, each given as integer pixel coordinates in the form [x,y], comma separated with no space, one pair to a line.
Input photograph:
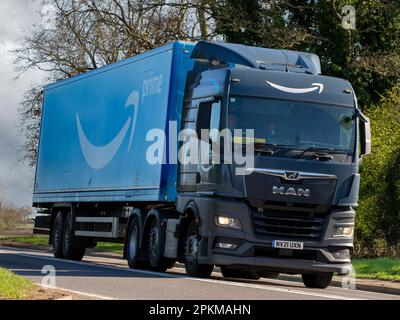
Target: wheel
[58,236]
[132,246]
[73,247]
[192,266]
[268,274]
[317,280]
[228,272]
[155,248]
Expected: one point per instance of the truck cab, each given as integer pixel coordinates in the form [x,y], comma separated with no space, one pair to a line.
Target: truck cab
[292,209]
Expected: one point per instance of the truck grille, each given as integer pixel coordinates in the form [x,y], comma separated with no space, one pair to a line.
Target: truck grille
[299,225]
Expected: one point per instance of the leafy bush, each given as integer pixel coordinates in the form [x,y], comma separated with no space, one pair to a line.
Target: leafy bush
[378,217]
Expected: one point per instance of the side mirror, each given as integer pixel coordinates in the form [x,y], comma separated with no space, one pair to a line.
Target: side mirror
[365,135]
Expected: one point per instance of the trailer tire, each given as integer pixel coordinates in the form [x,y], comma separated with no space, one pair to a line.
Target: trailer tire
[317,280]
[155,245]
[58,230]
[132,246]
[190,255]
[228,272]
[73,247]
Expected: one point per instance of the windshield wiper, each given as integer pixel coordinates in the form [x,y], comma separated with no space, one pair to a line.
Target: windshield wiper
[271,148]
[315,150]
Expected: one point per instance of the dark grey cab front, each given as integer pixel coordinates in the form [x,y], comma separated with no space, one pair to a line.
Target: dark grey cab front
[295,191]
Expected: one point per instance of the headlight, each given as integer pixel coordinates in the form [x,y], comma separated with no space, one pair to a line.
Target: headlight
[343,232]
[227,222]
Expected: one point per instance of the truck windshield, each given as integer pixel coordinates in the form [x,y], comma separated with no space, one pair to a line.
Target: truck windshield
[307,127]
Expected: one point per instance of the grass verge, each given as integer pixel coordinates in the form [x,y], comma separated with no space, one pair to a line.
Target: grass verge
[13,286]
[378,268]
[44,242]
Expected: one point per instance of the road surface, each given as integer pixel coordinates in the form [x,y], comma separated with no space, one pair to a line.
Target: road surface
[110,278]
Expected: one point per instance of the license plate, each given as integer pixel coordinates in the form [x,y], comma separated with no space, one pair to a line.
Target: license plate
[293,245]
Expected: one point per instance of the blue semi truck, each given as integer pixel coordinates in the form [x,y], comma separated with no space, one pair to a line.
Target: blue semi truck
[290,210]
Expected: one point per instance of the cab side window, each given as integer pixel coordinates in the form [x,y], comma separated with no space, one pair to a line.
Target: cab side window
[208,117]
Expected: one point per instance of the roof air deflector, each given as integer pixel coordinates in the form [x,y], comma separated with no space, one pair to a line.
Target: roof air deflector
[254,57]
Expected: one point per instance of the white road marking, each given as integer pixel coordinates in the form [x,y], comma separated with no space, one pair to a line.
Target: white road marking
[77,292]
[46,256]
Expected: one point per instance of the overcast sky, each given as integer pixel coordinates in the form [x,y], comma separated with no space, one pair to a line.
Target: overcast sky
[16,177]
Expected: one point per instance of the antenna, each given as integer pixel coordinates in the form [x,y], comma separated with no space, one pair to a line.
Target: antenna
[287,60]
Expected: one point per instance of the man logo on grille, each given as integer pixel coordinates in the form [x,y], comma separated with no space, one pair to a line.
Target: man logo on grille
[282,191]
[293,176]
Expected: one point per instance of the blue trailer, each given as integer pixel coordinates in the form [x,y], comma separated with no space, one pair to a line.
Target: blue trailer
[290,211]
[94,126]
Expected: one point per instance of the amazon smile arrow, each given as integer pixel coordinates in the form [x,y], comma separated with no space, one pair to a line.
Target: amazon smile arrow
[315,87]
[98,157]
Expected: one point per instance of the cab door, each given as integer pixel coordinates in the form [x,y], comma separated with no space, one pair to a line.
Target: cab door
[200,129]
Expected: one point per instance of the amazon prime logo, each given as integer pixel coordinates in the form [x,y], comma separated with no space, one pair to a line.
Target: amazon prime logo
[98,157]
[152,86]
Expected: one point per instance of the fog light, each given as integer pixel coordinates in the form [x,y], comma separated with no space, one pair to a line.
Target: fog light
[227,222]
[225,245]
[343,232]
[342,254]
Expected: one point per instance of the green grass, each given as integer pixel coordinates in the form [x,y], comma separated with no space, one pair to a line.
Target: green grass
[44,241]
[34,240]
[13,286]
[379,268]
[109,247]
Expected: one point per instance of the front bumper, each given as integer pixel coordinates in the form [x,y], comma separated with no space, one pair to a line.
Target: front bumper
[280,264]
[256,252]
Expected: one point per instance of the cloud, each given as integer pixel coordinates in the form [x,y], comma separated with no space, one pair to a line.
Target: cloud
[16,177]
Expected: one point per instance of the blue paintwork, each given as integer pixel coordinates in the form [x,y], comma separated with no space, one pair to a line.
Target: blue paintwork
[98,103]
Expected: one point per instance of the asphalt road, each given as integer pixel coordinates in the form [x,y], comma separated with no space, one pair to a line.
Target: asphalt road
[110,278]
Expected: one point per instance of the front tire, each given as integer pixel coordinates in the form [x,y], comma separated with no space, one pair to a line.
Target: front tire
[192,266]
[73,247]
[58,229]
[317,280]
[228,272]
